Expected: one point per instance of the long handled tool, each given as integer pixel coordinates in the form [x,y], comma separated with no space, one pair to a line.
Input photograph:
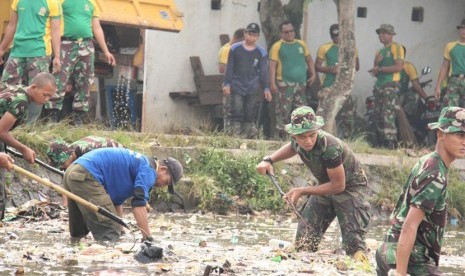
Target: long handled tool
[94,208]
[42,163]
[276,184]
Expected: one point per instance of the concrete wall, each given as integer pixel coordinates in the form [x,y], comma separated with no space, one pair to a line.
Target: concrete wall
[424,41]
[167,66]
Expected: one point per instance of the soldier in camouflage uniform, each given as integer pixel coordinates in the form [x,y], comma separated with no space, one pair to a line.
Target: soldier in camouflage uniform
[413,243]
[389,61]
[341,189]
[81,25]
[62,154]
[289,61]
[34,29]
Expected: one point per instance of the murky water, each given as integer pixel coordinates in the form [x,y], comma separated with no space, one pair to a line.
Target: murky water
[190,242]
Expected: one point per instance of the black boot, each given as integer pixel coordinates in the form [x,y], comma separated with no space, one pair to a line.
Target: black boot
[78,118]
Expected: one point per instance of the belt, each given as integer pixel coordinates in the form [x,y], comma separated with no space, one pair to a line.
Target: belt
[65,38]
[460,76]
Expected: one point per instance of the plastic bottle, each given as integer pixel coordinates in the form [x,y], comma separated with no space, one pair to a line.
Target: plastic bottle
[280,244]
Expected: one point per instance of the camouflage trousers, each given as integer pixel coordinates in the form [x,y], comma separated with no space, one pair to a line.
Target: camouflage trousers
[77,68]
[418,265]
[290,96]
[240,114]
[352,212]
[409,102]
[81,220]
[21,70]
[455,92]
[386,100]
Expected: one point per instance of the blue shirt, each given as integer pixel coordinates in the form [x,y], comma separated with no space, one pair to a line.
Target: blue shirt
[120,171]
[246,69]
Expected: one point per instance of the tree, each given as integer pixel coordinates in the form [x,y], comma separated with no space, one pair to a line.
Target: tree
[272,13]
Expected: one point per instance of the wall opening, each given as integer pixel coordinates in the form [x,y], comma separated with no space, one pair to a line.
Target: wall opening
[417,14]
[216,5]
[362,12]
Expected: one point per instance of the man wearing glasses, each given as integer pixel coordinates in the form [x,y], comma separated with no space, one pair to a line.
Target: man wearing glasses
[289,61]
[341,187]
[109,176]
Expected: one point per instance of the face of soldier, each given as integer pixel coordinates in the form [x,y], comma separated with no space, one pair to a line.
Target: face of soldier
[251,37]
[454,144]
[385,37]
[307,140]
[287,33]
[41,95]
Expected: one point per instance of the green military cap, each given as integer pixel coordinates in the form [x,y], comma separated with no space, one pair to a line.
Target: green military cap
[452,119]
[303,119]
[58,152]
[388,28]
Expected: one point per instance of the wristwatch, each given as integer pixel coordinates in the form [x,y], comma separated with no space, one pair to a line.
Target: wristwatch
[268,159]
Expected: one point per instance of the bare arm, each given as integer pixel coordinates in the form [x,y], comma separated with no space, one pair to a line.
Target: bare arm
[285,152]
[9,34]
[324,69]
[311,69]
[336,185]
[273,87]
[6,161]
[442,75]
[419,89]
[6,123]
[100,37]
[140,213]
[221,68]
[407,238]
[56,43]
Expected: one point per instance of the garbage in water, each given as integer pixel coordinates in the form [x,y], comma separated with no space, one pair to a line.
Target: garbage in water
[148,253]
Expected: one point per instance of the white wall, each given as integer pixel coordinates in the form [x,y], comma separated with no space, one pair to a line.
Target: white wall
[167,65]
[424,41]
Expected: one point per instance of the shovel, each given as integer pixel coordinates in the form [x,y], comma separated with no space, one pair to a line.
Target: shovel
[42,163]
[94,208]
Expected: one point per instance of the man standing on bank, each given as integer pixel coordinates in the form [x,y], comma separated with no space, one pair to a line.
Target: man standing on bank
[341,189]
[413,243]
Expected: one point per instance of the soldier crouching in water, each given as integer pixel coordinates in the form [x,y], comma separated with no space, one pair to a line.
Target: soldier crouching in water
[341,188]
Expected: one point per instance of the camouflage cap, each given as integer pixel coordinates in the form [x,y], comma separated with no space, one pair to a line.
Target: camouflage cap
[452,119]
[58,152]
[176,171]
[388,28]
[303,119]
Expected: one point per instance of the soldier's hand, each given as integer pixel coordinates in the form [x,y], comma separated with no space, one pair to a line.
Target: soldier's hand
[110,58]
[273,88]
[29,155]
[268,96]
[263,167]
[293,195]
[6,161]
[226,90]
[437,95]
[56,64]
[311,80]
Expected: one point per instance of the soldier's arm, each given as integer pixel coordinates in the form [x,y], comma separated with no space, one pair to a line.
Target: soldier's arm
[311,69]
[100,37]
[419,89]
[6,123]
[56,43]
[442,75]
[407,238]
[397,67]
[9,34]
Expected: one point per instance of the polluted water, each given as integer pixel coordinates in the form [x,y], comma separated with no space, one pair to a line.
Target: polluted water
[193,244]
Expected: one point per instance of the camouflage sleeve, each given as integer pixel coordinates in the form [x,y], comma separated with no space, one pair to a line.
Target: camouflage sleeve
[332,156]
[428,191]
[18,107]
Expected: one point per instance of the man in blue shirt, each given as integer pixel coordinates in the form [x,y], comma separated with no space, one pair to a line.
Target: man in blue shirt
[109,176]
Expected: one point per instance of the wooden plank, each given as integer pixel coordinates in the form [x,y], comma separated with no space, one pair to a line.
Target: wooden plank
[183,95]
[211,97]
[197,67]
[208,85]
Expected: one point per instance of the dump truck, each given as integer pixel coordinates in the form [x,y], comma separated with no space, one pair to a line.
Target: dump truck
[124,23]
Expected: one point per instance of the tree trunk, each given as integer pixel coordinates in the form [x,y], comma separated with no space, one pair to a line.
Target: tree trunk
[333,97]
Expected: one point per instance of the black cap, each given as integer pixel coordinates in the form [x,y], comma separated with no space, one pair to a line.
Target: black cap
[176,171]
[462,24]
[334,30]
[253,28]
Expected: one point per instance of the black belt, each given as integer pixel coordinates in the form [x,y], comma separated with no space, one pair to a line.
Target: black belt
[461,76]
[65,38]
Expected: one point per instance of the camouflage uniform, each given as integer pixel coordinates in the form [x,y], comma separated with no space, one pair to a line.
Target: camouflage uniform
[350,206]
[290,96]
[386,100]
[78,65]
[425,189]
[59,151]
[455,93]
[13,99]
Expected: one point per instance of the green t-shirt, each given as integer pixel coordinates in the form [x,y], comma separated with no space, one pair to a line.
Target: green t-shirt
[329,152]
[390,55]
[329,53]
[291,60]
[33,32]
[14,99]
[77,17]
[455,53]
[425,189]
